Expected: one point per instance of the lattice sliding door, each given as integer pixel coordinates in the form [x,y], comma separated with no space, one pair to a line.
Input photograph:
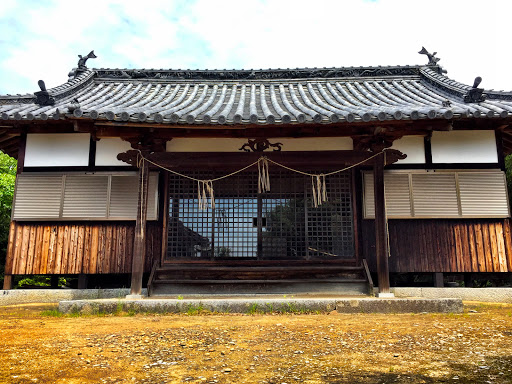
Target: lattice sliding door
[280,224]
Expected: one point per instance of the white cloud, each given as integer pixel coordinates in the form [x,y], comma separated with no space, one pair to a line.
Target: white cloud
[45,37]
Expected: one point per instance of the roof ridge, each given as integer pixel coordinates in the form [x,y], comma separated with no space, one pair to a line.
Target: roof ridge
[257,74]
[58,92]
[459,89]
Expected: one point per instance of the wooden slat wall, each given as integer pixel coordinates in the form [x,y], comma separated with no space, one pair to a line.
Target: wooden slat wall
[480,245]
[73,248]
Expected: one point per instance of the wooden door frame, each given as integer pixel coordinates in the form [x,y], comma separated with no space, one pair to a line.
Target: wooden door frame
[355,191]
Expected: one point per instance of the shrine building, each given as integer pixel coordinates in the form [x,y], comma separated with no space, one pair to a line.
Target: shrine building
[258,181]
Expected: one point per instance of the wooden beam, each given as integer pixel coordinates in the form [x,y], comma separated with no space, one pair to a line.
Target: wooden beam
[21,152]
[8,282]
[381,234]
[500,149]
[139,242]
[225,160]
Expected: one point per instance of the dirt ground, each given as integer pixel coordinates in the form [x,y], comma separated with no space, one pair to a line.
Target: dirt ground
[40,347]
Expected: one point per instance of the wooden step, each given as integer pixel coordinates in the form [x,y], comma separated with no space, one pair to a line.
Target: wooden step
[248,268]
[280,281]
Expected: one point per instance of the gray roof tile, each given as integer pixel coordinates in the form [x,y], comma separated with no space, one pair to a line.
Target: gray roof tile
[282,96]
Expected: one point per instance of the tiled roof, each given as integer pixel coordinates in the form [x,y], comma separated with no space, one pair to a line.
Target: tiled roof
[282,96]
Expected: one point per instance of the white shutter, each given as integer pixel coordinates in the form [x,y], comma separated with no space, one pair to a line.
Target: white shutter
[440,194]
[483,194]
[81,197]
[152,197]
[124,196]
[398,197]
[369,195]
[398,201]
[85,196]
[435,195]
[37,196]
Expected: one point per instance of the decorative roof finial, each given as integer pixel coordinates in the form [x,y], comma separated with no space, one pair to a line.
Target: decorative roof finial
[475,94]
[43,98]
[432,59]
[82,61]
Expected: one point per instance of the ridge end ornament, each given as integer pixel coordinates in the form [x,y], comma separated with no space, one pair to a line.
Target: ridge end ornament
[475,94]
[432,59]
[82,60]
[43,98]
[81,65]
[260,145]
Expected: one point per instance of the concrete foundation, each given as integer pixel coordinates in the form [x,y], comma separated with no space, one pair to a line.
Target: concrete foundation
[252,305]
[490,295]
[414,305]
[24,296]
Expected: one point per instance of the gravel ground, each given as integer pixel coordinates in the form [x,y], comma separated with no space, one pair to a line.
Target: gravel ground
[41,347]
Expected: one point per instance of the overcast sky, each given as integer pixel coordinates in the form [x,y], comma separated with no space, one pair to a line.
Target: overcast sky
[40,39]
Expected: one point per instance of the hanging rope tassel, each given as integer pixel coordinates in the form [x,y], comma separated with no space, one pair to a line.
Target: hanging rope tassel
[263,175]
[209,189]
[205,192]
[319,190]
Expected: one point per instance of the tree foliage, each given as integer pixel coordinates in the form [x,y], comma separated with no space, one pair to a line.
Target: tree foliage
[7,178]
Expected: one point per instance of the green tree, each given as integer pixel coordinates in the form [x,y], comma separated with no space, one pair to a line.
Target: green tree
[7,178]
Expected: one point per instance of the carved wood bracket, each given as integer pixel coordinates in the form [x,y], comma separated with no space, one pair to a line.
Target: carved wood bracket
[374,143]
[146,142]
[260,145]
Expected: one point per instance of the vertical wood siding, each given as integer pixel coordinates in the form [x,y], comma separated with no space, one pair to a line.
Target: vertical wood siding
[480,245]
[73,248]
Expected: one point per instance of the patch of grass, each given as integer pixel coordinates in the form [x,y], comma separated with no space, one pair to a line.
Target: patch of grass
[196,309]
[180,297]
[119,308]
[52,313]
[254,309]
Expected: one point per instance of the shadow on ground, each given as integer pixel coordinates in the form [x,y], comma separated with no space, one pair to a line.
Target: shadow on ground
[489,370]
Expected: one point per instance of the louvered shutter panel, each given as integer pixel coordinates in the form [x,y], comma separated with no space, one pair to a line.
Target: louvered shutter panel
[85,196]
[398,202]
[153,197]
[398,197]
[483,194]
[369,196]
[37,197]
[435,195]
[124,196]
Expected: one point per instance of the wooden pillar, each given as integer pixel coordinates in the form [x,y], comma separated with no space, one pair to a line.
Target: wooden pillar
[54,281]
[8,281]
[139,242]
[381,235]
[468,280]
[438,279]
[82,281]
[8,278]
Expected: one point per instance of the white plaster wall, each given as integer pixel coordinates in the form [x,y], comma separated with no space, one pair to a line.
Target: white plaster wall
[233,145]
[413,147]
[57,149]
[464,147]
[108,148]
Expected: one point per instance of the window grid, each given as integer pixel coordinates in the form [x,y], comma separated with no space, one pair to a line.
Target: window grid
[283,221]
